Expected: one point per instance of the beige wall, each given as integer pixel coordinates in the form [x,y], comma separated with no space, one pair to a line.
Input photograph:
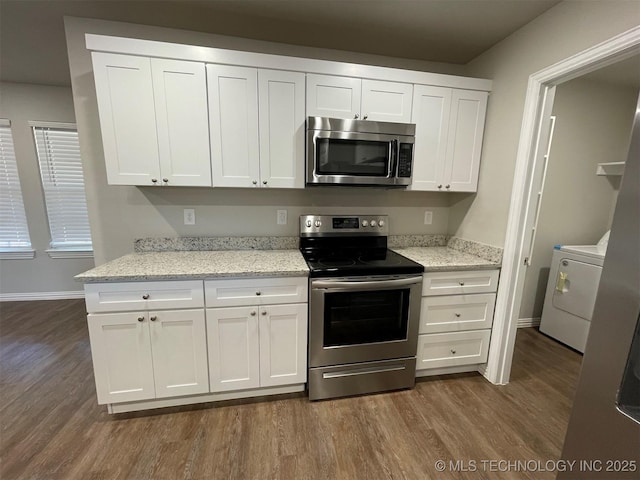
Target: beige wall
[593,124]
[564,30]
[21,103]
[120,214]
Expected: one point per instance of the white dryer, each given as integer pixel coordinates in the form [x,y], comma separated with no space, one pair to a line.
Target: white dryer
[571,292]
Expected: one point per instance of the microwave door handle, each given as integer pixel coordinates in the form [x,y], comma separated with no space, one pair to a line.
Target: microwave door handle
[393,146]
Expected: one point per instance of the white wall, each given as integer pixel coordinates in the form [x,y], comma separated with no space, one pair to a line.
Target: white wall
[593,124]
[21,103]
[119,214]
[562,31]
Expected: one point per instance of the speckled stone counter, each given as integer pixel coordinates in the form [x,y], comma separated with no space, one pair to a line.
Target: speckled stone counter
[198,265]
[436,259]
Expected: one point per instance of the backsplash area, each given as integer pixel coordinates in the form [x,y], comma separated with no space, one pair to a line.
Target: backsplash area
[178,244]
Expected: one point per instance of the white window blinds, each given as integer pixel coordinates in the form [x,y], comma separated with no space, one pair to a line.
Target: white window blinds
[63,184]
[14,234]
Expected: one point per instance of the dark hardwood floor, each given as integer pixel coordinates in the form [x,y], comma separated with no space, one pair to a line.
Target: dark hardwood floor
[52,428]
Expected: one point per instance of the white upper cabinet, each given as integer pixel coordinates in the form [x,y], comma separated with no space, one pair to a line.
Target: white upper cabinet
[281,115]
[244,101]
[233,118]
[182,122]
[153,118]
[449,131]
[127,118]
[353,98]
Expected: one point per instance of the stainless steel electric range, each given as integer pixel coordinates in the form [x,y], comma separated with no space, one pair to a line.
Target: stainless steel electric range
[364,307]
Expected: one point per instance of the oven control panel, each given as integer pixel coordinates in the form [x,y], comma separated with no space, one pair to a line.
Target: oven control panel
[344,224]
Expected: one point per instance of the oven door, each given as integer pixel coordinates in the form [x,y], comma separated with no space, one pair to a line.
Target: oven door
[360,319]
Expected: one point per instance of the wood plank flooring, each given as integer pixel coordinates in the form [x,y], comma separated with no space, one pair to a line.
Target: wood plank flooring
[52,428]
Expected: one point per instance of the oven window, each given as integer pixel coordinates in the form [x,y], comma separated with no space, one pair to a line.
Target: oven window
[352,157]
[352,318]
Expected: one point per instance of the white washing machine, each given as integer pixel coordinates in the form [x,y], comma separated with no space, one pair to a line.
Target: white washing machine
[571,292]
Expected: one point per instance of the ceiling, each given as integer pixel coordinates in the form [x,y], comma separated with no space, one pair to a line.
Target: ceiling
[33,47]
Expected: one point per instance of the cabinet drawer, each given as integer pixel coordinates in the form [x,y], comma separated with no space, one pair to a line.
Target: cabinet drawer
[457,283]
[114,297]
[456,313]
[452,349]
[263,291]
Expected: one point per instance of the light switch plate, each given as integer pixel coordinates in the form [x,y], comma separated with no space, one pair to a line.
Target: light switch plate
[282,217]
[428,217]
[189,216]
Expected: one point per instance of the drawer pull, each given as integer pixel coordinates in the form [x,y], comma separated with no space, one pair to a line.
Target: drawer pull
[141,319]
[253,313]
[457,315]
[453,352]
[264,312]
[258,293]
[145,296]
[153,319]
[461,284]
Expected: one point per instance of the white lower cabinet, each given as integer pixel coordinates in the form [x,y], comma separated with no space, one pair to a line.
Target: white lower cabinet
[257,346]
[145,355]
[456,316]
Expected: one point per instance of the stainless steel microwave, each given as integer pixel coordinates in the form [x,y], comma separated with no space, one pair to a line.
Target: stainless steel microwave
[359,152]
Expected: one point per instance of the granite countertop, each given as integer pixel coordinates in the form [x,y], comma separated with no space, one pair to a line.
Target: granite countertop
[198,265]
[435,259]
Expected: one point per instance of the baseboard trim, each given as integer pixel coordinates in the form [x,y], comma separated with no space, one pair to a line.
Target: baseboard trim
[25,297]
[528,322]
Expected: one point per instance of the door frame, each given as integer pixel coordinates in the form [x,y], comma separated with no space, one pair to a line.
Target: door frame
[525,188]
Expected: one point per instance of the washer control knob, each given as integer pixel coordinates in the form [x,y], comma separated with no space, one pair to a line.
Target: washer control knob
[373,223]
[308,223]
[365,223]
[318,223]
[381,223]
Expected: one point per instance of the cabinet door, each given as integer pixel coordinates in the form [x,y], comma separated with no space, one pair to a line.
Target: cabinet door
[283,344]
[233,345]
[386,101]
[180,93]
[282,128]
[335,97]
[124,91]
[121,352]
[179,348]
[464,144]
[233,122]
[431,107]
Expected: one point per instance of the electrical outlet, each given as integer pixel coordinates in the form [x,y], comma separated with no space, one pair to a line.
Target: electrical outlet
[189,216]
[428,217]
[282,217]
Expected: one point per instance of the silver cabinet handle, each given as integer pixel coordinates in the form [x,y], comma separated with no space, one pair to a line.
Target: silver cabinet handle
[154,180]
[264,182]
[447,186]
[457,315]
[145,296]
[453,352]
[253,313]
[165,180]
[461,284]
[153,319]
[440,186]
[264,312]
[356,116]
[255,182]
[141,319]
[258,293]
[365,117]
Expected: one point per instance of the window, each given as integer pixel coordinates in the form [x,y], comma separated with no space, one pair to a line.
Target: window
[63,185]
[14,234]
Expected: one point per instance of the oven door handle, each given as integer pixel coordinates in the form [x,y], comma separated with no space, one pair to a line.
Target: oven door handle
[356,285]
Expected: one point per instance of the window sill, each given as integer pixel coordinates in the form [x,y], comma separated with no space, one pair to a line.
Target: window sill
[17,254]
[61,253]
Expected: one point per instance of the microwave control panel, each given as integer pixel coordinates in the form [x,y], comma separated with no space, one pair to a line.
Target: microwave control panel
[405,160]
